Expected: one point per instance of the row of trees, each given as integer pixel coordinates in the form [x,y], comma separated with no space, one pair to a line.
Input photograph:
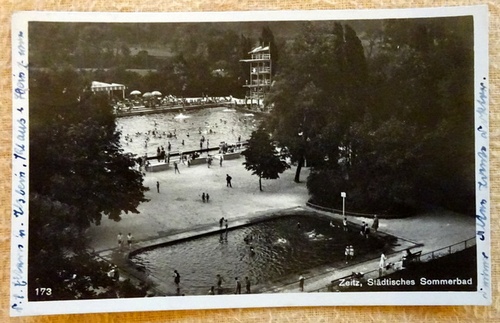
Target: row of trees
[194,59]
[389,122]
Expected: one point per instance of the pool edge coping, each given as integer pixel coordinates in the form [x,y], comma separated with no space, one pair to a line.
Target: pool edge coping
[246,220]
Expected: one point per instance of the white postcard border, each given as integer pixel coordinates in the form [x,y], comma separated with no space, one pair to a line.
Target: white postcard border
[19,304]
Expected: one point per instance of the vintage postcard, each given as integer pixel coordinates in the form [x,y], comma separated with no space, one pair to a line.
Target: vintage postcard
[169,161]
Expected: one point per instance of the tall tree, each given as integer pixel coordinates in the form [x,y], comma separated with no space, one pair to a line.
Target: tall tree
[320,89]
[267,39]
[262,158]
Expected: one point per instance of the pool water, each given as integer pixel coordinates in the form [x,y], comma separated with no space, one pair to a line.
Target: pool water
[280,248]
[215,124]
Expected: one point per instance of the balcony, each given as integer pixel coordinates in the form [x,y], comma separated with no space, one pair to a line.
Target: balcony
[261,56]
[258,58]
[257,83]
[261,70]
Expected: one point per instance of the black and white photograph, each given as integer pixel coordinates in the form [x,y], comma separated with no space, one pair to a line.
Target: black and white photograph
[219,160]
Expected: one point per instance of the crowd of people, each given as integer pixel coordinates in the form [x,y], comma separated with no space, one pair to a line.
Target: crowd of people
[181,144]
[136,102]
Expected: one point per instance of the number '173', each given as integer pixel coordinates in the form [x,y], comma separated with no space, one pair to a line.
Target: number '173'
[43,291]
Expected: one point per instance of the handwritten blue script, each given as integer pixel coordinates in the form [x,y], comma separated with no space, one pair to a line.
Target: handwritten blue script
[21,82]
[482,177]
[481,219]
[19,276]
[485,273]
[483,168]
[482,109]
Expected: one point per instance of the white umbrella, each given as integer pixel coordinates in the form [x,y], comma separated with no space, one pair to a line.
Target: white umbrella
[135,92]
[156,93]
[147,95]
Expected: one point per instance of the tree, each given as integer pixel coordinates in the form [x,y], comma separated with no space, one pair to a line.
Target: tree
[320,88]
[422,74]
[411,148]
[267,39]
[380,177]
[78,173]
[59,261]
[76,158]
[262,158]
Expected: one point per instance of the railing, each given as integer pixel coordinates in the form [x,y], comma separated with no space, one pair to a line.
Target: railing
[265,69]
[261,82]
[451,249]
[237,145]
[170,107]
[426,257]
[261,56]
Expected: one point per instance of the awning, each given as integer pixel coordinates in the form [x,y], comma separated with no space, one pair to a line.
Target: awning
[107,87]
[101,86]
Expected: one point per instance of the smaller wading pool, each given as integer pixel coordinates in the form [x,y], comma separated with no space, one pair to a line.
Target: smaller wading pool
[280,248]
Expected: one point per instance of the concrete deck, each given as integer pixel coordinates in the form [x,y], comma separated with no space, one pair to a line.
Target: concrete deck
[177,212]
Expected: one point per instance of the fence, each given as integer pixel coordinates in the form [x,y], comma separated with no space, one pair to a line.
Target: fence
[425,257]
[438,253]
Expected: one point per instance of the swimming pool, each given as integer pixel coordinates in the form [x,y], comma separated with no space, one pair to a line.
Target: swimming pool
[214,124]
[266,251]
